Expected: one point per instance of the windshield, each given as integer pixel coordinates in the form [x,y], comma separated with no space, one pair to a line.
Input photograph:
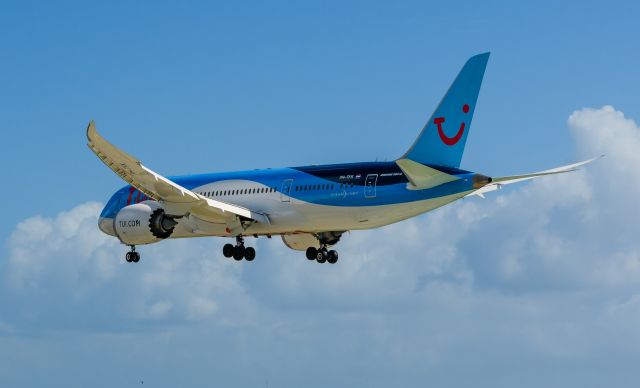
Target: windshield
[115,204]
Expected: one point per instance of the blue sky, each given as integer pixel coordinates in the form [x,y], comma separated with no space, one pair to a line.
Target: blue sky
[533,286]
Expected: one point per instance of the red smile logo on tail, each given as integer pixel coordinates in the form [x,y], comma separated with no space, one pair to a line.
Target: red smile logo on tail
[450,140]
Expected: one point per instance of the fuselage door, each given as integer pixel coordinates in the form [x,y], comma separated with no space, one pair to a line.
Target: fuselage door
[370,186]
[285,193]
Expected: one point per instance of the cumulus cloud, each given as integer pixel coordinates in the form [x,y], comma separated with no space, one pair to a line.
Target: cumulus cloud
[548,271]
[59,268]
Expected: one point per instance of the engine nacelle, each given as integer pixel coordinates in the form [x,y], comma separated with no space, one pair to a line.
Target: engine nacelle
[301,241]
[143,223]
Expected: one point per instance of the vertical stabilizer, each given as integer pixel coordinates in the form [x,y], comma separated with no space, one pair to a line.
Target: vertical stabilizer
[442,140]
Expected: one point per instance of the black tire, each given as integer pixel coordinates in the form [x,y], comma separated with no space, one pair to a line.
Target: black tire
[128,257]
[238,252]
[227,250]
[249,254]
[136,257]
[321,256]
[332,257]
[311,253]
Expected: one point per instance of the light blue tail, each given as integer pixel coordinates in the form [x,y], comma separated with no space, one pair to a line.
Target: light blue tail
[442,140]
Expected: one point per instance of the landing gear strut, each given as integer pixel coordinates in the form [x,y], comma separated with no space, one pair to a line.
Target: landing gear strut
[322,255]
[238,252]
[132,256]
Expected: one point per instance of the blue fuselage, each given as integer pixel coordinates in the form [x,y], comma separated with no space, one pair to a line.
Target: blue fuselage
[312,198]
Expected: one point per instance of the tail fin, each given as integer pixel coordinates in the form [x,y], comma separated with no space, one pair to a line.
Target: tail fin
[442,140]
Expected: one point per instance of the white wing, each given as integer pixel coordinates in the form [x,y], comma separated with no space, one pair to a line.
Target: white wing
[176,199]
[496,183]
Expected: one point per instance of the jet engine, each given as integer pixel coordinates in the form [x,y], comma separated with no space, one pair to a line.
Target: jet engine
[302,241]
[143,223]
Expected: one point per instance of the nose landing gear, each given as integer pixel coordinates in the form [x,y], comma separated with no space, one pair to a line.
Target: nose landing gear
[239,251]
[132,256]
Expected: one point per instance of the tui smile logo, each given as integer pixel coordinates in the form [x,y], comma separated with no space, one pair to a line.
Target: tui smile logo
[450,140]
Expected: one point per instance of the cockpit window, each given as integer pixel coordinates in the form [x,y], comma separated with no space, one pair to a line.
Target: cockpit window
[116,203]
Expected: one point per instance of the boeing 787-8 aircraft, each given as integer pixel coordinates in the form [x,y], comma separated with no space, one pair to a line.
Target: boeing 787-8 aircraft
[310,207]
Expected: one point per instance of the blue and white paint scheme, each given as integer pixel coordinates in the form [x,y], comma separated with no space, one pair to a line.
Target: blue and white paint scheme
[309,207]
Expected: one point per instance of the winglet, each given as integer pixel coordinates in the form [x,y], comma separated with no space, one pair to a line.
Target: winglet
[91,130]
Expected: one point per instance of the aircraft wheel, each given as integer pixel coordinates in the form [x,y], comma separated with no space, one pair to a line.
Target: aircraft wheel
[249,254]
[238,252]
[136,257]
[311,253]
[332,257]
[321,256]
[128,257]
[227,250]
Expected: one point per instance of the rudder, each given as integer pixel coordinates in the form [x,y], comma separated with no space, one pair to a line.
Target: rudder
[442,140]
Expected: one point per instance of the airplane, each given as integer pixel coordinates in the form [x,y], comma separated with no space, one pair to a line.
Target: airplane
[309,207]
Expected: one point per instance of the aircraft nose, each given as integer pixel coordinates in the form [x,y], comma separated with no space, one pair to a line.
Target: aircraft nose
[106,226]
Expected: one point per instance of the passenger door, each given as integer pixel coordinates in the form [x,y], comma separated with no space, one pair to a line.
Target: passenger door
[370,186]
[285,193]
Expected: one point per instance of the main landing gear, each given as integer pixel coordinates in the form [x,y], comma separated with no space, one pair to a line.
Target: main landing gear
[239,251]
[322,255]
[132,256]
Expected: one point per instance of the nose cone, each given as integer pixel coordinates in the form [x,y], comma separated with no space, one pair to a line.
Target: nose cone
[106,226]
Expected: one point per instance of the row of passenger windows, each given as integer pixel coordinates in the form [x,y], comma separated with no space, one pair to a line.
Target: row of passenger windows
[222,193]
[321,187]
[262,190]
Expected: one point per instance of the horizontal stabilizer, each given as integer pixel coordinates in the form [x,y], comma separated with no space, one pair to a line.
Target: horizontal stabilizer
[422,177]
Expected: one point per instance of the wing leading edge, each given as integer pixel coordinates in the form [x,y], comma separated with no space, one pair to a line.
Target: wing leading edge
[176,199]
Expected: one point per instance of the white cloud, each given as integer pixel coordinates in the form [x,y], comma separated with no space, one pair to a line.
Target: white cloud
[544,274]
[65,261]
